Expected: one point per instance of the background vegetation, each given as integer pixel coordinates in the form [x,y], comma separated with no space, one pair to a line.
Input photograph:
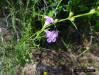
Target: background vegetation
[78,23]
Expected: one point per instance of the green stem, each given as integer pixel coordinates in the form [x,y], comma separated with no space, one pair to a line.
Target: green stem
[82,15]
[69,18]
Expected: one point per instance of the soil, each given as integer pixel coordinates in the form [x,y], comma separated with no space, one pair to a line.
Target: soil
[61,63]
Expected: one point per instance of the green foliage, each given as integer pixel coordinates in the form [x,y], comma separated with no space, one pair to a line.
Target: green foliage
[28,16]
[96,27]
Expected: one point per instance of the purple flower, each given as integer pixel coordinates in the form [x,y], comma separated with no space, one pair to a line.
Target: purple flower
[51,36]
[48,20]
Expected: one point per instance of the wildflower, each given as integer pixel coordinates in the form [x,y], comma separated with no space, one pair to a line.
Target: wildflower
[48,20]
[51,36]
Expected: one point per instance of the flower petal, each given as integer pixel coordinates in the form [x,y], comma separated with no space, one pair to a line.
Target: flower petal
[46,23]
[54,40]
[55,34]
[48,34]
[46,16]
[49,20]
[49,40]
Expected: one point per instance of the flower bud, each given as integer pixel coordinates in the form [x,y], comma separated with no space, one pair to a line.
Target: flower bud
[71,14]
[98,8]
[56,20]
[92,11]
